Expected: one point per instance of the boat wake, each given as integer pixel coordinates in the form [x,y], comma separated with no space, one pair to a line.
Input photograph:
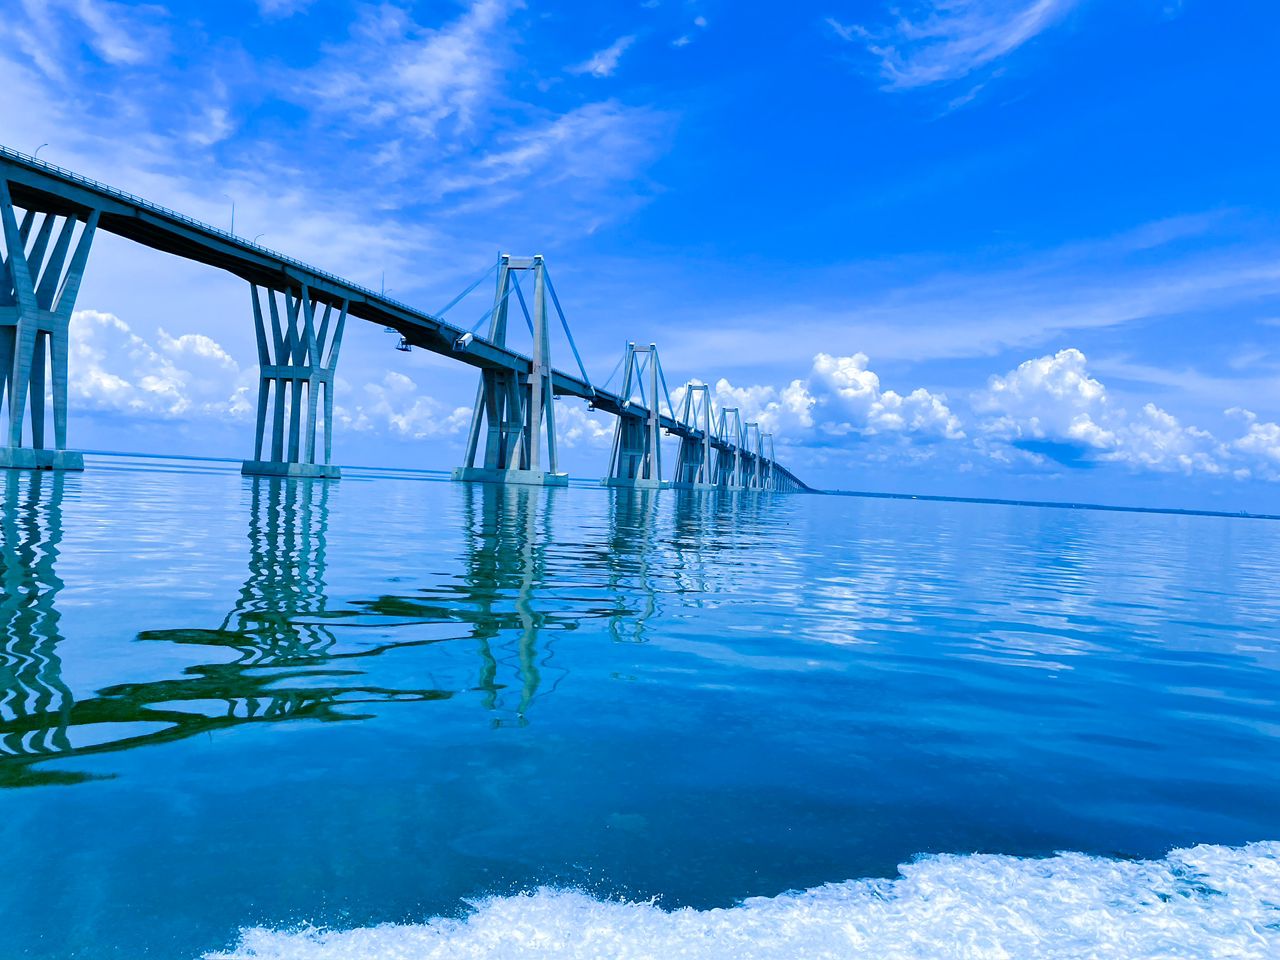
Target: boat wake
[1202,902]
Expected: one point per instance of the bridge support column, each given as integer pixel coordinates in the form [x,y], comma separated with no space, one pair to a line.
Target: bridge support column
[38,289]
[694,468]
[636,460]
[512,408]
[297,360]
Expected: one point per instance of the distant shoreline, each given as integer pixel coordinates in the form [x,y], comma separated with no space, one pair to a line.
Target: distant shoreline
[1052,504]
[865,494]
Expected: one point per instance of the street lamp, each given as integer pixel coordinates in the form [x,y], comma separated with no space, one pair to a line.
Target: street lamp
[255,239]
[233,212]
[36,155]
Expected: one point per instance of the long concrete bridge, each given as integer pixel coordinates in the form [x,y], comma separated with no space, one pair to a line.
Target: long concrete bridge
[50,216]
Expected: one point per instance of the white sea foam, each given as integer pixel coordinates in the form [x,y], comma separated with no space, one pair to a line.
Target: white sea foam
[1203,902]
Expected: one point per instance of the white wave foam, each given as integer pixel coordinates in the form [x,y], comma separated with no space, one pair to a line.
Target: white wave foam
[1203,902]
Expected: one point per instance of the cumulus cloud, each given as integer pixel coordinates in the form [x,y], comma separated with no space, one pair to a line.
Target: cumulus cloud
[842,397]
[1051,408]
[1258,448]
[113,369]
[945,40]
[394,405]
[576,426]
[1048,411]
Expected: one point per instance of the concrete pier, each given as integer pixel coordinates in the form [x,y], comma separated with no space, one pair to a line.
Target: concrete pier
[297,359]
[529,478]
[43,263]
[27,458]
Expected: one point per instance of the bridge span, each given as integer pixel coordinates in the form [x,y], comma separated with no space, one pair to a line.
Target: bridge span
[50,216]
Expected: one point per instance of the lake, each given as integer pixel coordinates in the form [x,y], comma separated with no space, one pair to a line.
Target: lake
[396,716]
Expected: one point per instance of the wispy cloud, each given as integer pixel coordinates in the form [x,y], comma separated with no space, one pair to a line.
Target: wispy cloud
[280,9]
[604,62]
[907,311]
[394,72]
[946,40]
[595,143]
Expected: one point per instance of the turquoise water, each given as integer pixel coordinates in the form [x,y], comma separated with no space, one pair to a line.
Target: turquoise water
[260,719]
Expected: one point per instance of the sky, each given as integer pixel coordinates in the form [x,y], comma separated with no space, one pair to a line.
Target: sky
[1010,248]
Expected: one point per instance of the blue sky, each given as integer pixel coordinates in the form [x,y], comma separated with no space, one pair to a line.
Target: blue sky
[1019,248]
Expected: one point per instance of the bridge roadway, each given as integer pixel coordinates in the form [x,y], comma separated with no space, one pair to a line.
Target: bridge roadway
[39,185]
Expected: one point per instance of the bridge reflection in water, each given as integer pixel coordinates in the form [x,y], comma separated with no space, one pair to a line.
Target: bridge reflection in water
[502,595]
[291,657]
[284,666]
[35,705]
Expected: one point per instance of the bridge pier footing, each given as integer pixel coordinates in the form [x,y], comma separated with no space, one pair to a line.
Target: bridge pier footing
[29,458]
[271,468]
[636,483]
[529,478]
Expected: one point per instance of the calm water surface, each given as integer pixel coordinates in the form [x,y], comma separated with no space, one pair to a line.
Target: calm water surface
[228,702]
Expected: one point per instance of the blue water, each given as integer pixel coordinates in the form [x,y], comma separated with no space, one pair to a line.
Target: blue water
[260,719]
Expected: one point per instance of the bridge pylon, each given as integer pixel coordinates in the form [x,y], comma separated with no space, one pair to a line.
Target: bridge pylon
[769,475]
[728,468]
[296,359]
[694,467]
[516,407]
[753,469]
[636,459]
[39,283]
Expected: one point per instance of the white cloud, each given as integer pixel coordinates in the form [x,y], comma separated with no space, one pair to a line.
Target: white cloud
[906,309]
[604,62]
[840,397]
[577,426]
[595,142]
[1051,408]
[280,9]
[392,71]
[1259,448]
[395,406]
[53,32]
[946,40]
[112,369]
[1047,410]
[193,378]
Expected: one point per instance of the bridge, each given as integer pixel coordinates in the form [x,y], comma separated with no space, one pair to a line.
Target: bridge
[50,216]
